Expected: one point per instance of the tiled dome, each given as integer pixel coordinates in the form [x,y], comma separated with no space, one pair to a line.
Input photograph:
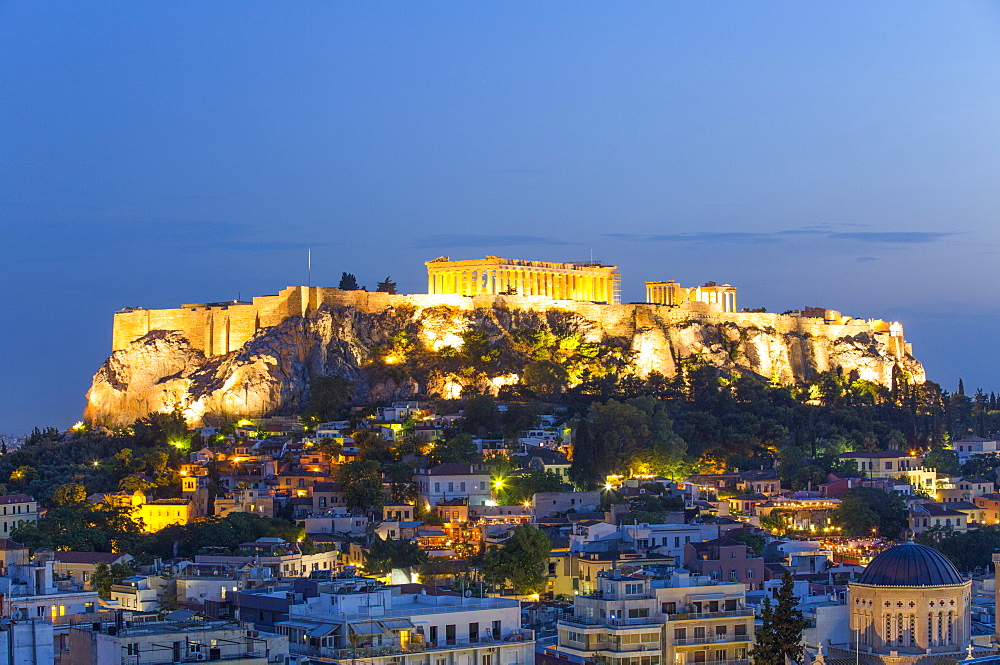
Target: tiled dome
[910,565]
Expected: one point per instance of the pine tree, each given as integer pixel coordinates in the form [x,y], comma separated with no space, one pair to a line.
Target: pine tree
[348,282]
[388,286]
[583,470]
[780,635]
[765,649]
[961,387]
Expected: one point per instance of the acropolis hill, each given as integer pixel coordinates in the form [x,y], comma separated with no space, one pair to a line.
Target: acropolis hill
[255,358]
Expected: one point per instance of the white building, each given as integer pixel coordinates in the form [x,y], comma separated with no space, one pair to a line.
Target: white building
[360,618]
[453,481]
[974,445]
[647,619]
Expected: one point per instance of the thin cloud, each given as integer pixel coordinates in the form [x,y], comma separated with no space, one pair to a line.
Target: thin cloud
[786,236]
[475,240]
[865,259]
[893,237]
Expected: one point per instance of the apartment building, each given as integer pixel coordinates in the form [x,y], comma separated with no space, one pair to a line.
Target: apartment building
[664,618]
[360,619]
[14,510]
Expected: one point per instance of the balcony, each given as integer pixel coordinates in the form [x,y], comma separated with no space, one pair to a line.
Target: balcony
[332,654]
[651,620]
[606,595]
[687,616]
[708,640]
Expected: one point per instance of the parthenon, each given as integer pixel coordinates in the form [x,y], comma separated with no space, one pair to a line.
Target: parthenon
[589,281]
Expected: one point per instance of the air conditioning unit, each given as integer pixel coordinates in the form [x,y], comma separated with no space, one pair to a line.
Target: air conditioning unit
[200,656]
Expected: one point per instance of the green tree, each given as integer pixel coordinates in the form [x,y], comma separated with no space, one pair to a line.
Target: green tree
[521,561]
[329,397]
[458,449]
[583,470]
[943,461]
[388,286]
[69,494]
[362,483]
[545,377]
[105,576]
[754,541]
[780,634]
[348,282]
[865,511]
[385,555]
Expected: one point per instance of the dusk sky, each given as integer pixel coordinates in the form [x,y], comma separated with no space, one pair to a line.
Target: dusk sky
[843,155]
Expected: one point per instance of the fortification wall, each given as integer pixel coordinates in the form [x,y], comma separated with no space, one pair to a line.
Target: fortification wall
[219,328]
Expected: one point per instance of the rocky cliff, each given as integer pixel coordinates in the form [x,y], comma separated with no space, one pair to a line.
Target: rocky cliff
[411,344]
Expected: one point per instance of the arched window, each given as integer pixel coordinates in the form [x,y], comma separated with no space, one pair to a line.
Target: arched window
[951,634]
[900,632]
[913,630]
[887,638]
[930,629]
[940,628]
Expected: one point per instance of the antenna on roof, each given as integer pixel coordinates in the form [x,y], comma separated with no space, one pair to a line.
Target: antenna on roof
[309,267]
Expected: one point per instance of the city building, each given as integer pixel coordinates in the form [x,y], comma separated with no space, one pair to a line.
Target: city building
[16,509]
[649,619]
[360,619]
[725,559]
[587,281]
[909,607]
[183,637]
[453,481]
[894,464]
[974,445]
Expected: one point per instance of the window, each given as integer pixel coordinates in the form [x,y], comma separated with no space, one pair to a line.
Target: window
[888,466]
[496,629]
[434,634]
[638,613]
[462,487]
[132,648]
[699,632]
[720,655]
[474,632]
[740,630]
[721,631]
[633,588]
[680,633]
[437,487]
[749,573]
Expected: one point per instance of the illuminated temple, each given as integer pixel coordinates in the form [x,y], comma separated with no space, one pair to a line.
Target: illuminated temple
[589,281]
[672,293]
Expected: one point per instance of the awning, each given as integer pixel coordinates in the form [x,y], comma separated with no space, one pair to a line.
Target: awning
[322,630]
[366,628]
[709,596]
[398,624]
[301,625]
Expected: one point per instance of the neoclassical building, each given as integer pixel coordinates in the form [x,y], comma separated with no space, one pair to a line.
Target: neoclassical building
[909,607]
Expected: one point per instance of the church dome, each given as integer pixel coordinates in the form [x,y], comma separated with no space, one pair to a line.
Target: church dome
[910,565]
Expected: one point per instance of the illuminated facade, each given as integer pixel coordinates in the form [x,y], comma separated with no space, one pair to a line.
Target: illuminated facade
[588,281]
[909,607]
[722,296]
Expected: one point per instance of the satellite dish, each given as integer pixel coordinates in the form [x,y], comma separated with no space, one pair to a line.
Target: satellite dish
[468,593]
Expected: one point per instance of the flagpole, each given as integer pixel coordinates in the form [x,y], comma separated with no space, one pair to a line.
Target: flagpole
[309,266]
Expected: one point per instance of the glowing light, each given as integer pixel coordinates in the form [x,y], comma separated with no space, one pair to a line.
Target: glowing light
[78,426]
[608,486]
[391,360]
[96,463]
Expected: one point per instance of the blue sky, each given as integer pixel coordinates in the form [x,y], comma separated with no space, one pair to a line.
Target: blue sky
[841,155]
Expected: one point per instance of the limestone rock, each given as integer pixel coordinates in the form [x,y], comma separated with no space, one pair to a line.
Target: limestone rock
[269,374]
